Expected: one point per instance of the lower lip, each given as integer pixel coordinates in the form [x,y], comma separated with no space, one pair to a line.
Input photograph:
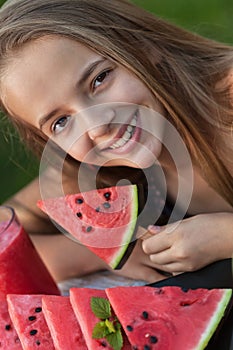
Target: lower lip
[130,145]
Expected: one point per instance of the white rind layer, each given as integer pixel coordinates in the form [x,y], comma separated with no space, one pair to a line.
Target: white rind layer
[129,232]
[215,320]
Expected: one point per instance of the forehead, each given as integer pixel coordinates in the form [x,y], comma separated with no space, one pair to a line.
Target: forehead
[41,65]
[44,52]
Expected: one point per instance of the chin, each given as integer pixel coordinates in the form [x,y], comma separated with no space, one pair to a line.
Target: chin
[137,164]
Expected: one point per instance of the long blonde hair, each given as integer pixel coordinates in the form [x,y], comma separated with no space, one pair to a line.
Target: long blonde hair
[182,69]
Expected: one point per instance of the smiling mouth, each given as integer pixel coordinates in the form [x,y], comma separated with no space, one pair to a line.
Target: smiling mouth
[127,134]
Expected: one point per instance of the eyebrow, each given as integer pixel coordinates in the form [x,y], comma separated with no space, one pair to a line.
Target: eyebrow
[85,75]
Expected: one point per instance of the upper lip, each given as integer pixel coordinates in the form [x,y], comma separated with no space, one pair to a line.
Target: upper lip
[119,134]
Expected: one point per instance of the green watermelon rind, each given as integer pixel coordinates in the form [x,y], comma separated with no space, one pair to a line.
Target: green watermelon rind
[215,320]
[116,259]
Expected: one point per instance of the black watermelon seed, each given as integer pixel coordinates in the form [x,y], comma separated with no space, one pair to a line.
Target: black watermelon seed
[107,195]
[32,318]
[184,289]
[103,344]
[79,201]
[37,342]
[134,347]
[146,347]
[159,291]
[89,228]
[79,215]
[97,209]
[145,315]
[129,328]
[153,339]
[7,327]
[38,309]
[33,332]
[107,205]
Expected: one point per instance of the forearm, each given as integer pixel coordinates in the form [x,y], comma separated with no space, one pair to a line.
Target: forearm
[224,231]
[31,217]
[65,258]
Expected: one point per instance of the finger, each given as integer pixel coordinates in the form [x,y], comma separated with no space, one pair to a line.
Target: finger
[162,258]
[174,268]
[141,232]
[156,244]
[152,230]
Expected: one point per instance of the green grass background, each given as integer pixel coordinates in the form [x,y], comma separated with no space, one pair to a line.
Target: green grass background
[211,18]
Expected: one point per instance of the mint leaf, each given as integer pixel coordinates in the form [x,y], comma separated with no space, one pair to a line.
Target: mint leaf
[110,326]
[115,340]
[100,330]
[106,328]
[101,307]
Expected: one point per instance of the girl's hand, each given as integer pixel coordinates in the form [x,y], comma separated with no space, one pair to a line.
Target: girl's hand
[139,266]
[190,244]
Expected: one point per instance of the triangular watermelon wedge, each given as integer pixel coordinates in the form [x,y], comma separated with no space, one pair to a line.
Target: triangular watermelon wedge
[81,302]
[169,317]
[62,323]
[103,220]
[29,322]
[9,339]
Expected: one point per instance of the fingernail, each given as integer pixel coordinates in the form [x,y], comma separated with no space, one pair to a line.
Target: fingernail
[154,229]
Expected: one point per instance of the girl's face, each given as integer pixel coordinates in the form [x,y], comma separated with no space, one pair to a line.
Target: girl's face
[96,110]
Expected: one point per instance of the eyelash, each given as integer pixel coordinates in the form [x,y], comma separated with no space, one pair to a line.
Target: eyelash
[56,123]
[105,74]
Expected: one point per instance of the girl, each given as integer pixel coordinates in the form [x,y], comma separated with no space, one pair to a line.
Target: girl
[115,87]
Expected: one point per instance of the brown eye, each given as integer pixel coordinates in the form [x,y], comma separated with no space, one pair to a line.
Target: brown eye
[100,79]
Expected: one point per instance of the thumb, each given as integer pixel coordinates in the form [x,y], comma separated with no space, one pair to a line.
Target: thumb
[151,231]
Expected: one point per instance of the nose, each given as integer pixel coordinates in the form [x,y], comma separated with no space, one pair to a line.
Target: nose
[98,131]
[98,120]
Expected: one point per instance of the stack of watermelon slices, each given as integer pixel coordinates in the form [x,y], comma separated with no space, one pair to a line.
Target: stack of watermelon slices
[150,318]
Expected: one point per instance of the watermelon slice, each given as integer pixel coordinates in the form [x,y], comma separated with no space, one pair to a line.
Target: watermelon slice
[104,220]
[57,311]
[169,317]
[9,339]
[22,270]
[81,303]
[28,319]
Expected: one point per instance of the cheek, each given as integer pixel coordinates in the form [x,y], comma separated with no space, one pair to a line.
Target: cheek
[82,149]
[127,89]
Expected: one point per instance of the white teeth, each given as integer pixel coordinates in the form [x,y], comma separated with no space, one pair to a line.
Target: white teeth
[134,121]
[129,128]
[127,134]
[121,142]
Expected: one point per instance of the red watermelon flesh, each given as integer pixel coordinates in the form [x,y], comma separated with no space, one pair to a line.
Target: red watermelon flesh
[104,220]
[28,319]
[22,270]
[81,303]
[9,339]
[62,323]
[169,317]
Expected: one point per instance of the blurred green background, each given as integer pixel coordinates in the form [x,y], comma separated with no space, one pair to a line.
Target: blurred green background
[211,18]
